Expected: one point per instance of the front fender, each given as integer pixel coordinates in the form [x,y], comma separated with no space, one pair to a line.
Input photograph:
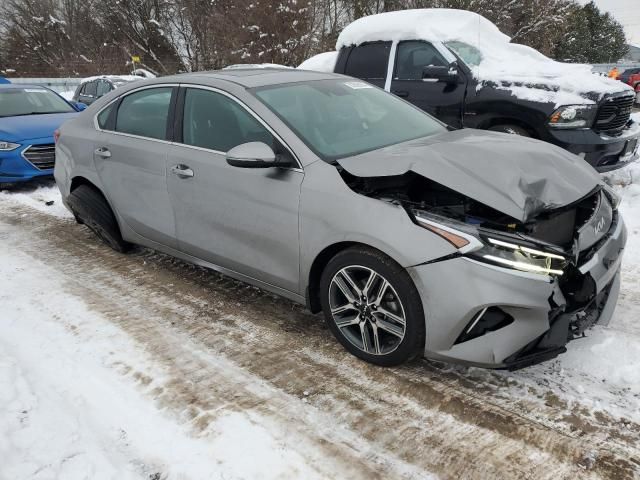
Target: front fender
[331,213]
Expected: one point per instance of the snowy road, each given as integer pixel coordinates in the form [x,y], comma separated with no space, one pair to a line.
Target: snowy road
[142,366]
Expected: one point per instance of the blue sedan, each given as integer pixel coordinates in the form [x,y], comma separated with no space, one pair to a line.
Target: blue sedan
[28,117]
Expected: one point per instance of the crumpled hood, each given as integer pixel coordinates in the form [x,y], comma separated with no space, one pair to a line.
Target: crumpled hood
[517,176]
[25,127]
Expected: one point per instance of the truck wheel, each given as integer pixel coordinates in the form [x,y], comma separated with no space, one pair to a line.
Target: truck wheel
[90,208]
[372,307]
[512,129]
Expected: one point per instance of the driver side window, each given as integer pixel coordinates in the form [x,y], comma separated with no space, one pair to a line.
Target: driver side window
[214,121]
[413,56]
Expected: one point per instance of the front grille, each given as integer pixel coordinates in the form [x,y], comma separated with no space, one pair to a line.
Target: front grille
[614,114]
[43,157]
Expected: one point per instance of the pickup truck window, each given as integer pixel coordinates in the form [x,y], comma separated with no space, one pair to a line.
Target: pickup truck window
[369,61]
[413,56]
[469,54]
[340,118]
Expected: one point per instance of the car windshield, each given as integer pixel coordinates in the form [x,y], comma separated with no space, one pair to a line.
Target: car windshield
[340,118]
[469,55]
[31,101]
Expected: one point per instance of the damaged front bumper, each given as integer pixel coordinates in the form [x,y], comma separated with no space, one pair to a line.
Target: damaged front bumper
[496,317]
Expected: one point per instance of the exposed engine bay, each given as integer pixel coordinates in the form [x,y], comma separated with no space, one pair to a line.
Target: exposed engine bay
[556,227]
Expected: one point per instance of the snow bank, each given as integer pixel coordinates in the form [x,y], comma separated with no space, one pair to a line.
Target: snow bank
[506,64]
[323,62]
[44,197]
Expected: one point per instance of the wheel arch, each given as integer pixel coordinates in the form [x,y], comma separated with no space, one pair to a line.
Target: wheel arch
[312,292]
[82,180]
[505,120]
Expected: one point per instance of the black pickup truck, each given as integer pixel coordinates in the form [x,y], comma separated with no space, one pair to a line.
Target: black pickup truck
[439,75]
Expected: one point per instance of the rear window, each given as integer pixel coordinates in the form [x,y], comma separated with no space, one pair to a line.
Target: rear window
[369,61]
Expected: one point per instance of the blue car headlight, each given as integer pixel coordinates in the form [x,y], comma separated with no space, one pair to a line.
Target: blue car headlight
[8,146]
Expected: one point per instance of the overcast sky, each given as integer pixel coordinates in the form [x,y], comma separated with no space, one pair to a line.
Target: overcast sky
[627,12]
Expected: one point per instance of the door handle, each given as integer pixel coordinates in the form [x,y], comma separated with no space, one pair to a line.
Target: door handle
[182,171]
[400,93]
[103,152]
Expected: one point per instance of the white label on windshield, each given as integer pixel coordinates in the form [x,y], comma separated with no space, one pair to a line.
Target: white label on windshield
[34,90]
[357,85]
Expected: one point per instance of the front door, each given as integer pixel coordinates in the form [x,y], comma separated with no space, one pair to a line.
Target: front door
[131,160]
[242,219]
[441,99]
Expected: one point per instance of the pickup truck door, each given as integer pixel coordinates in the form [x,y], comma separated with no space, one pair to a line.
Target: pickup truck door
[441,98]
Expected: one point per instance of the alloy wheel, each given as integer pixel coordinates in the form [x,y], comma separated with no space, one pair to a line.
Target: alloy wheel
[367,310]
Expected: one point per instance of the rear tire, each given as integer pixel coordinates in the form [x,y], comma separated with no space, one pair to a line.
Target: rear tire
[90,208]
[511,129]
[385,324]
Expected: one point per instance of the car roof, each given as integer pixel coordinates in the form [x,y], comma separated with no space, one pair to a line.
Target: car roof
[248,77]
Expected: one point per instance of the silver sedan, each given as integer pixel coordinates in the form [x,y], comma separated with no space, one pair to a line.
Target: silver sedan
[414,240]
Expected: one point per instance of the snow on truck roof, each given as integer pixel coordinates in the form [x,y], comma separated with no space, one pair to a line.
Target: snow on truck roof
[525,72]
[433,24]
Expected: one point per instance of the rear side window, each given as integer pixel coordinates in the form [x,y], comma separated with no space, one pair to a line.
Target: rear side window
[90,89]
[369,61]
[145,113]
[103,88]
[103,117]
[413,56]
[214,121]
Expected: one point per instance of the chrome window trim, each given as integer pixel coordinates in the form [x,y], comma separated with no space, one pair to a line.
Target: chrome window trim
[298,168]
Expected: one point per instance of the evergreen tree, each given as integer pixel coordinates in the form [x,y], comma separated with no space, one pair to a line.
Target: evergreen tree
[591,36]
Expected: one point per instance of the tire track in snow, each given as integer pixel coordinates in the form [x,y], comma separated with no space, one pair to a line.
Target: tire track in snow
[433,417]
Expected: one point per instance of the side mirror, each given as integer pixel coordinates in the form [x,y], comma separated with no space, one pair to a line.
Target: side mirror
[79,106]
[440,74]
[254,155]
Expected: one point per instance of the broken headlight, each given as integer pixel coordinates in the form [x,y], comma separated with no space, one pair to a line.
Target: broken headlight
[520,257]
[496,249]
[573,116]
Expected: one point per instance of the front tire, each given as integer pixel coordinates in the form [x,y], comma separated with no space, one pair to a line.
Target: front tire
[372,307]
[90,208]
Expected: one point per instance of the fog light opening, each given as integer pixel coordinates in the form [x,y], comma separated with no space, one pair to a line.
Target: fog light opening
[488,319]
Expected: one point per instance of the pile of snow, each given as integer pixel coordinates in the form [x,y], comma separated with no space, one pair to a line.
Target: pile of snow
[43,196]
[506,64]
[323,62]
[67,95]
[114,78]
[144,73]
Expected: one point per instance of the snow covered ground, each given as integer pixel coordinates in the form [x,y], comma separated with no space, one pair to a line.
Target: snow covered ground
[139,366]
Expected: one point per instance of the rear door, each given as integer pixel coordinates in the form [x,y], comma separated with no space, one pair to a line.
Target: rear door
[242,219]
[441,99]
[131,160]
[369,61]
